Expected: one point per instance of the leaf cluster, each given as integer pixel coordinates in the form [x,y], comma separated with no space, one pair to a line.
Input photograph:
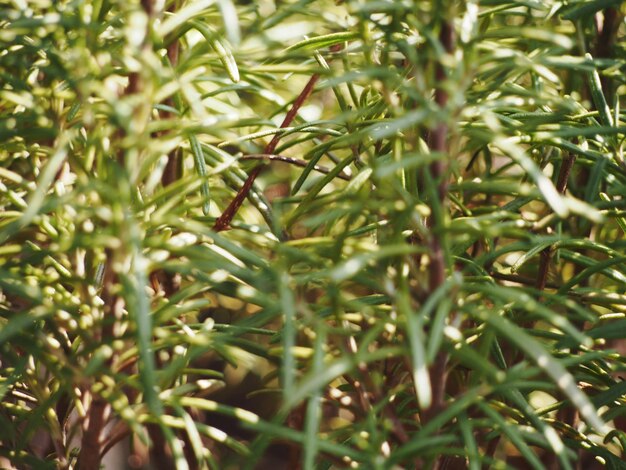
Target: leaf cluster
[428,271]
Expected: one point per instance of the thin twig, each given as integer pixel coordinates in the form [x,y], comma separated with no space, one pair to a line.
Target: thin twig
[223,222]
[566,169]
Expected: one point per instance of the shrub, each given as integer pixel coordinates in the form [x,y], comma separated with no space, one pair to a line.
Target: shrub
[330,234]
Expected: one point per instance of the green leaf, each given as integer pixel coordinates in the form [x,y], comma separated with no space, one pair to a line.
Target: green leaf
[319,42]
[598,96]
[562,378]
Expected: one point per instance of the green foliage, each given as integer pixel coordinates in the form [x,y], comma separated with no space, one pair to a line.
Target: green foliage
[428,271]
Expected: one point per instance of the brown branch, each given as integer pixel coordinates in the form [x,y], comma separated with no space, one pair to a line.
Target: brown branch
[160,452]
[148,6]
[223,222]
[98,410]
[90,455]
[295,420]
[607,30]
[438,142]
[161,280]
[92,440]
[566,169]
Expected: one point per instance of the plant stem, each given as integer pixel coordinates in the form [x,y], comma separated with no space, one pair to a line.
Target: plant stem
[605,42]
[90,455]
[223,222]
[98,410]
[437,141]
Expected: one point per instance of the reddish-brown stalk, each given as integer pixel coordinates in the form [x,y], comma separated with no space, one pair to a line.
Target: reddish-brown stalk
[438,143]
[223,222]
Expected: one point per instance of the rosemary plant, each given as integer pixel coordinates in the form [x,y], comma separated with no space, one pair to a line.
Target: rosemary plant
[312,234]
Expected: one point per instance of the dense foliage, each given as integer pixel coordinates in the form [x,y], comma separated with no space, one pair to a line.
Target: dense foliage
[428,272]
